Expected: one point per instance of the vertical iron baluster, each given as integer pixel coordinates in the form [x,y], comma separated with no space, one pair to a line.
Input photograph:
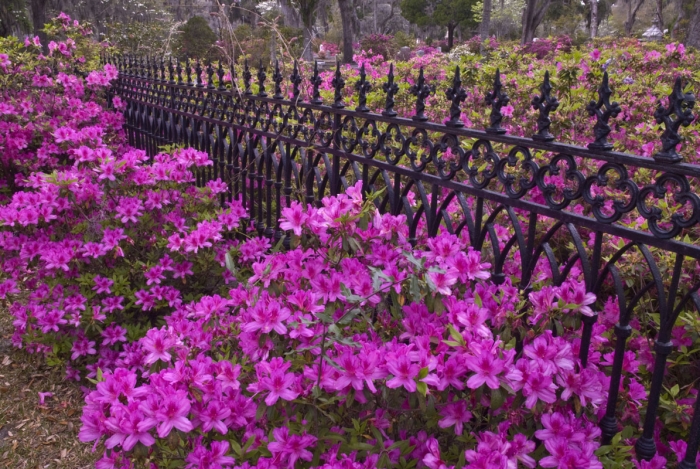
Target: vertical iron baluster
[645,447]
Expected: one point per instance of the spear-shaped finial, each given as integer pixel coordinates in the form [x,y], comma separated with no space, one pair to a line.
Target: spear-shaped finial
[338,85]
[421,90]
[496,99]
[316,82]
[188,70]
[210,75]
[261,80]
[246,78]
[295,78]
[681,104]
[277,79]
[362,86]
[390,88]
[220,75]
[545,103]
[198,71]
[171,70]
[603,110]
[457,95]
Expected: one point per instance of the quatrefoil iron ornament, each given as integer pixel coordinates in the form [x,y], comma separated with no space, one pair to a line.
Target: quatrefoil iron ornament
[681,104]
[526,164]
[448,169]
[653,214]
[571,174]
[598,201]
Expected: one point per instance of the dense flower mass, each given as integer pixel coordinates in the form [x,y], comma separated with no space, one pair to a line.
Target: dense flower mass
[348,347]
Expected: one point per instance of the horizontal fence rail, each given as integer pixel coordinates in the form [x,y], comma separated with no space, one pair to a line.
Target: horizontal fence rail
[281,144]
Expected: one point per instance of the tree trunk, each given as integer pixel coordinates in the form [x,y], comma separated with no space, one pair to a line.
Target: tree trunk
[290,14]
[346,12]
[693,37]
[532,17]
[485,26]
[594,18]
[679,17]
[450,35]
[307,53]
[660,14]
[38,10]
[633,7]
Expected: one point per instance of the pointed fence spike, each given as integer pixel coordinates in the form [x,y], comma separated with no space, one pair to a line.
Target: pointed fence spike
[261,80]
[390,88]
[277,79]
[316,82]
[338,84]
[681,105]
[456,95]
[544,103]
[603,110]
[496,99]
[295,78]
[421,90]
[362,86]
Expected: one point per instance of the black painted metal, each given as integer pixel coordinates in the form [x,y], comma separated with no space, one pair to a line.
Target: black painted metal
[444,177]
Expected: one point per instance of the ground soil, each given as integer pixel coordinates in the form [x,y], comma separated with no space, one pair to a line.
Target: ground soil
[33,435]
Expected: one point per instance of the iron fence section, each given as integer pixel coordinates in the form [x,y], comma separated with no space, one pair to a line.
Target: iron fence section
[273,147]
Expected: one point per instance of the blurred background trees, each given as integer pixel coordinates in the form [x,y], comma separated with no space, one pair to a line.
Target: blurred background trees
[324,28]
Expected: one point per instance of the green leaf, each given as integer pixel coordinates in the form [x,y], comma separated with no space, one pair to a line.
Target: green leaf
[497,399]
[422,388]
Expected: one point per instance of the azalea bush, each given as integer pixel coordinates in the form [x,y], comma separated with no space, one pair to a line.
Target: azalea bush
[347,346]
[48,102]
[355,349]
[96,238]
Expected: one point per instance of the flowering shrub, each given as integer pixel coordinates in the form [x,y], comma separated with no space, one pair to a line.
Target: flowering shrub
[353,349]
[95,244]
[381,44]
[350,349]
[45,104]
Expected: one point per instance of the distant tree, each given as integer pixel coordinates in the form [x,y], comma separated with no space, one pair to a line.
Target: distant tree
[347,9]
[532,17]
[195,39]
[693,38]
[13,17]
[448,13]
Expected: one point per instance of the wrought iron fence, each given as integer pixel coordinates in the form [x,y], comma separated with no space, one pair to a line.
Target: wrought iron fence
[273,148]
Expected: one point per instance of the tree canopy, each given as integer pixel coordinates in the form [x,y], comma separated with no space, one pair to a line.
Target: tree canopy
[449,13]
